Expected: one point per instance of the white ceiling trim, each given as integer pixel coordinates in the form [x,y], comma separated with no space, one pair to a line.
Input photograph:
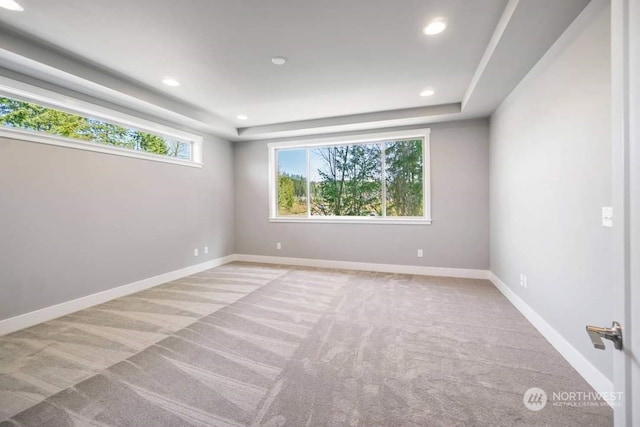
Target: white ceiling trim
[491,48]
[19,54]
[376,119]
[492,81]
[525,32]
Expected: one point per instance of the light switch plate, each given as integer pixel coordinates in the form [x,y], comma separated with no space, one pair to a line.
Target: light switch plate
[607,216]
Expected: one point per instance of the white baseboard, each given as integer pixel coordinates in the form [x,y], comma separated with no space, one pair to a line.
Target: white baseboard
[33,318]
[590,373]
[463,273]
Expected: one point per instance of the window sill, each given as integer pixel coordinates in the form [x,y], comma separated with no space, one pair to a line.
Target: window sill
[347,220]
[60,141]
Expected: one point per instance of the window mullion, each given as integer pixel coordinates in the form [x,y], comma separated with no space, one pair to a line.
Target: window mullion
[383,174]
[308,184]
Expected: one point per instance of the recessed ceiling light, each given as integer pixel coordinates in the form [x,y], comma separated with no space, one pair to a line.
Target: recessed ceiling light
[278,60]
[436,26]
[427,92]
[242,117]
[170,82]
[11,5]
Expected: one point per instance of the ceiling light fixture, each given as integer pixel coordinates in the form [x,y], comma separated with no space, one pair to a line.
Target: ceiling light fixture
[278,60]
[436,26]
[11,5]
[170,82]
[242,117]
[427,92]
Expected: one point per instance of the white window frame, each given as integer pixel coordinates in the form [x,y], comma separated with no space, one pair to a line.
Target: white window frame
[28,93]
[346,140]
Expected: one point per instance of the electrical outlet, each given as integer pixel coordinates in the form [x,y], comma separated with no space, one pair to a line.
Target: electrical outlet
[523,280]
[420,253]
[195,252]
[206,249]
[278,246]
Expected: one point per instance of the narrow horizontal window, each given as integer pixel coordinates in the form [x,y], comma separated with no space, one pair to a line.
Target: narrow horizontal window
[384,180]
[17,114]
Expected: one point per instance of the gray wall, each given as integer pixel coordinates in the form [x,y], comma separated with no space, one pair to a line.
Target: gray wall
[550,176]
[74,222]
[458,236]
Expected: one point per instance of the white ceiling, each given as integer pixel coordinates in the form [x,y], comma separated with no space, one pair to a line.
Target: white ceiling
[351,63]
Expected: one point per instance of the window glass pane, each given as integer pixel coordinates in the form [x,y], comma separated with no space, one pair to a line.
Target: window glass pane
[346,180]
[25,115]
[403,169]
[292,182]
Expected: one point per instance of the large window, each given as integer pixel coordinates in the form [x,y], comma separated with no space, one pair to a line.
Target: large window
[34,114]
[374,180]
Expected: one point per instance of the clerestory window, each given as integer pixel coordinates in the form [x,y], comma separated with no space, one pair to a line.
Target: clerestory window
[30,120]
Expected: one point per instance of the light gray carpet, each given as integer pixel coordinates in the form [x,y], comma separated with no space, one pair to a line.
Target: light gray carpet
[290,347]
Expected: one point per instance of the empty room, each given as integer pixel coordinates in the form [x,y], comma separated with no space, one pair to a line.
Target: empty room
[319,213]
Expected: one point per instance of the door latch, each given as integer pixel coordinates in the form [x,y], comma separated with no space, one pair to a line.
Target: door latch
[614,333]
